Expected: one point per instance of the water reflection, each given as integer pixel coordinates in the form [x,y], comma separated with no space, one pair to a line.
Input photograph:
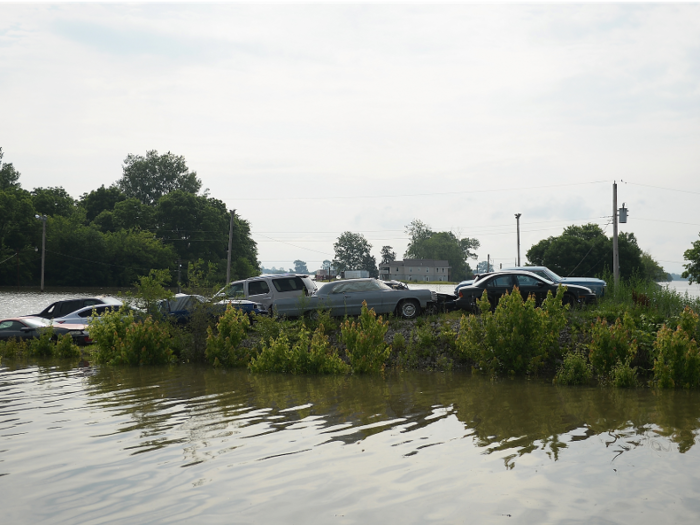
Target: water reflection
[192,405]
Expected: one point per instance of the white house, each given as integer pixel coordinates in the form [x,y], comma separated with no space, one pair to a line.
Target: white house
[415,270]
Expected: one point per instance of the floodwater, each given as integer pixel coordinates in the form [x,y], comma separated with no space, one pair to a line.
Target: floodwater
[196,445]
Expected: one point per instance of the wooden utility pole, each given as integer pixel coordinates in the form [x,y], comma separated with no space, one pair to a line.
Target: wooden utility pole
[616,252]
[517,219]
[230,243]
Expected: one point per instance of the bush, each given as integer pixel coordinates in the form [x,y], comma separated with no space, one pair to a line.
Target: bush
[575,370]
[677,356]
[13,348]
[611,343]
[224,348]
[516,338]
[365,342]
[122,341]
[312,355]
[623,375]
[43,346]
[64,347]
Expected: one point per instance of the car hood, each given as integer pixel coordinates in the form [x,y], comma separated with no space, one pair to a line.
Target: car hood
[582,280]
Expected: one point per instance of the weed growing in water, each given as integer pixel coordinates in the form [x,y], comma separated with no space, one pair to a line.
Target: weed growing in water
[224,348]
[623,375]
[611,344]
[677,361]
[365,342]
[575,370]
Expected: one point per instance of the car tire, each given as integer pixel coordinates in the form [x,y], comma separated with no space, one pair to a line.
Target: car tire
[409,309]
[569,299]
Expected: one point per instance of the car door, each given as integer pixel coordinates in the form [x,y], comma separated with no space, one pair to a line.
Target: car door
[12,330]
[497,286]
[259,292]
[342,298]
[531,285]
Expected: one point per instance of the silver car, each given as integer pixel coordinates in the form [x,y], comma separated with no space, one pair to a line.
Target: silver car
[346,297]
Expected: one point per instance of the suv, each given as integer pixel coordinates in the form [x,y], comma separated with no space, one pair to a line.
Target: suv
[265,289]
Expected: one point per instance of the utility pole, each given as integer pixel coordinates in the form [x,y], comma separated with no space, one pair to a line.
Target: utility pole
[42,218]
[517,220]
[179,267]
[488,262]
[616,253]
[230,243]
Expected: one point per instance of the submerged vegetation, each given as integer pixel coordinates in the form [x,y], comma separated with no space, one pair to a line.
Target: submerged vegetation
[638,335]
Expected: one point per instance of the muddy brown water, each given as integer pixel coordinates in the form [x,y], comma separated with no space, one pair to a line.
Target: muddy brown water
[190,444]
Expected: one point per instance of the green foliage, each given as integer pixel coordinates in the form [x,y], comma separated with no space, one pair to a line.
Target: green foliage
[611,344]
[43,346]
[352,252]
[677,361]
[224,348]
[9,176]
[120,340]
[151,288]
[364,340]
[575,370]
[692,268]
[310,355]
[587,251]
[65,347]
[515,339]
[427,244]
[399,342]
[149,178]
[623,375]
[13,348]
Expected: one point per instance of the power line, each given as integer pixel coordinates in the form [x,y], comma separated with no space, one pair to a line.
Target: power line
[417,194]
[661,188]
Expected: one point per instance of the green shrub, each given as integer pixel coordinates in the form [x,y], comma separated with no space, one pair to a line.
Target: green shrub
[514,339]
[623,375]
[364,340]
[224,348]
[43,346]
[310,355]
[64,347]
[13,348]
[677,356]
[120,340]
[611,343]
[399,342]
[575,370]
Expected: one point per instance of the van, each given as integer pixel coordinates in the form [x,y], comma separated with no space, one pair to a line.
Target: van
[265,289]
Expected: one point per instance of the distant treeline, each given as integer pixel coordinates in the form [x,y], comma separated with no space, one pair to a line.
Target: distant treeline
[153,217]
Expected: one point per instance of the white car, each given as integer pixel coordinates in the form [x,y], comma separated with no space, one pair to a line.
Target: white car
[84,315]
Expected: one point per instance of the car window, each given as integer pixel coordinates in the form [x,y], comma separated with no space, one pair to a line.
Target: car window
[87,312]
[360,286]
[258,288]
[69,307]
[90,302]
[235,290]
[500,281]
[6,325]
[288,284]
[526,280]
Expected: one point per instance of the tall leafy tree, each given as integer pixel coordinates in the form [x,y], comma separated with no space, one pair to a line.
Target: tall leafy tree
[426,244]
[352,252]
[388,254]
[692,268]
[99,200]
[300,267]
[9,176]
[54,202]
[149,178]
[587,252]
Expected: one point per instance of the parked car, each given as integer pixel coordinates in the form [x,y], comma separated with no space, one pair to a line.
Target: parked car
[345,298]
[63,308]
[266,289]
[498,283]
[596,285]
[33,327]
[84,315]
[182,306]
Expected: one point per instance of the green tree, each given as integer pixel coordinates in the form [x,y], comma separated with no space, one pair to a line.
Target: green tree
[9,176]
[388,254]
[586,251]
[100,200]
[149,178]
[427,244]
[300,267]
[692,268]
[53,202]
[352,252]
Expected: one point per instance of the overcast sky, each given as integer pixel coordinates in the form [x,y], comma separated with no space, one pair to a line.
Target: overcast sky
[312,120]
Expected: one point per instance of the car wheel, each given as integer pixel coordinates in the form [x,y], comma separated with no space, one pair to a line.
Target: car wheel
[409,309]
[569,299]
